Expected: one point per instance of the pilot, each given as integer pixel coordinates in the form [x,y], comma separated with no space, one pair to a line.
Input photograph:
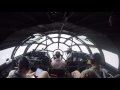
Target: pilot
[95,71]
[24,70]
[69,55]
[58,62]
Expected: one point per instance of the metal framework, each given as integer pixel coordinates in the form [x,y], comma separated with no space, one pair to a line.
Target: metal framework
[71,37]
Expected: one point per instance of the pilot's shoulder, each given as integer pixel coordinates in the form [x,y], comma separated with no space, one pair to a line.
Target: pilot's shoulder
[104,70]
[12,71]
[87,71]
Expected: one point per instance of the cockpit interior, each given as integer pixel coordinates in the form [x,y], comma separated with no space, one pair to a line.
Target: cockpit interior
[39,35]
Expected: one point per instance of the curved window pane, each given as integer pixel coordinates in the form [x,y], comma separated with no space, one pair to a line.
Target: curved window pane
[62,40]
[20,50]
[84,39]
[63,47]
[84,49]
[69,42]
[48,42]
[5,54]
[65,36]
[42,39]
[55,39]
[111,58]
[94,50]
[33,46]
[53,35]
[52,47]
[76,41]
[73,43]
[40,47]
[64,56]
[75,48]
[50,54]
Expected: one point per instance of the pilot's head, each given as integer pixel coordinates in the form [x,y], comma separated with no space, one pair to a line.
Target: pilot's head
[23,64]
[57,54]
[96,59]
[69,50]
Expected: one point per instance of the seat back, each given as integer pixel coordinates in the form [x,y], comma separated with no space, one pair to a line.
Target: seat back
[57,73]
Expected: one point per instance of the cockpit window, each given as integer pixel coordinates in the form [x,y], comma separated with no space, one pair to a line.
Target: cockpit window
[65,36]
[42,39]
[111,58]
[59,41]
[76,41]
[47,42]
[33,46]
[69,42]
[55,39]
[50,54]
[52,47]
[53,35]
[20,50]
[84,49]
[75,48]
[5,54]
[94,49]
[85,39]
[40,47]
[62,40]
[63,47]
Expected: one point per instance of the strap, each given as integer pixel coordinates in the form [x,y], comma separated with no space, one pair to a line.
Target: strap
[104,76]
[59,66]
[103,72]
[96,74]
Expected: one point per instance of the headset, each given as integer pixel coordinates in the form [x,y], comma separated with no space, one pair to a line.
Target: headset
[96,58]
